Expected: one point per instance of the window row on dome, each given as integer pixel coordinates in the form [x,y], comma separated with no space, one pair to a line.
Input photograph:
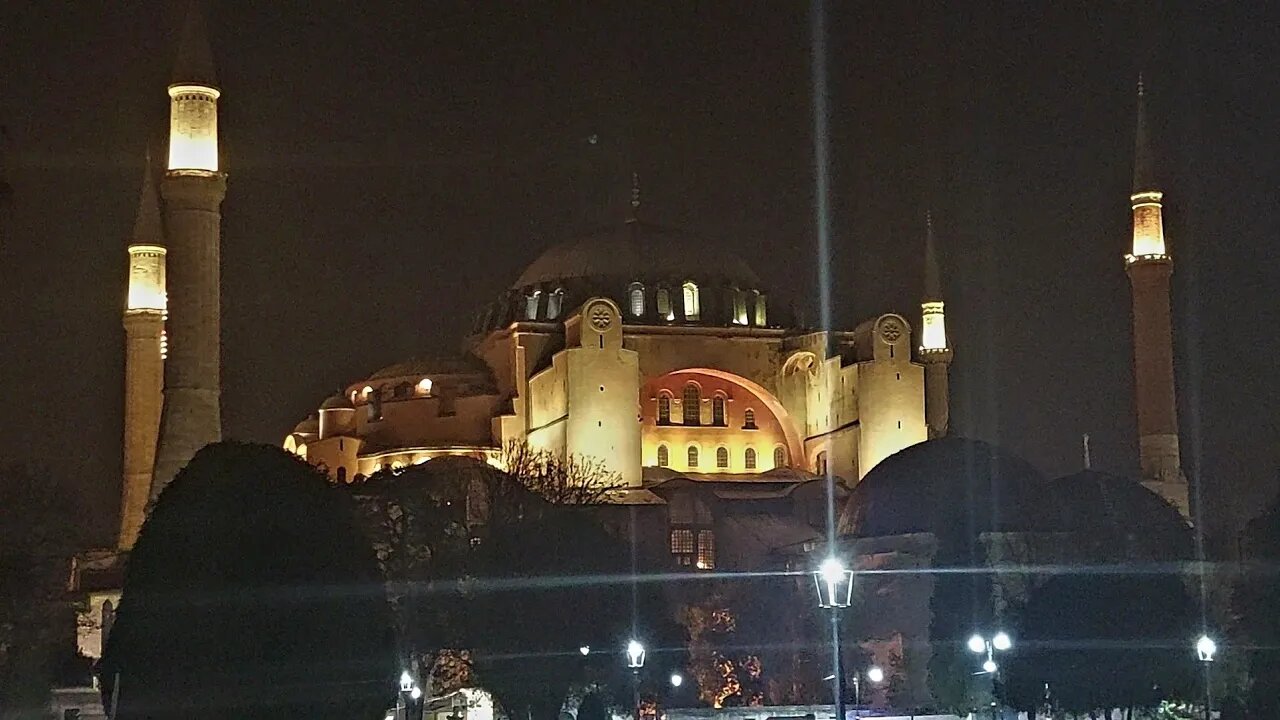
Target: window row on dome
[676,302]
[691,408]
[693,456]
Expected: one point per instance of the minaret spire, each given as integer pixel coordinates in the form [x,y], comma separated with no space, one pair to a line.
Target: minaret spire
[194,62]
[935,352]
[1149,267]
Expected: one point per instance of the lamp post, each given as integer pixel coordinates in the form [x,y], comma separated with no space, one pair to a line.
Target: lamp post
[835,591]
[635,661]
[1206,648]
[979,645]
[409,691]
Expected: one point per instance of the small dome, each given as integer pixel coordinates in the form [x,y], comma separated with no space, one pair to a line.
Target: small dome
[1121,513]
[951,487]
[310,426]
[638,251]
[337,402]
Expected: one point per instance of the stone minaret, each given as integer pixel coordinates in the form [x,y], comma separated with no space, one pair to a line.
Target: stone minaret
[193,189]
[144,359]
[1149,266]
[935,353]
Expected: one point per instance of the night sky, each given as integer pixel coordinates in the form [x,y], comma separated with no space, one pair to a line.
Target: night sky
[393,165]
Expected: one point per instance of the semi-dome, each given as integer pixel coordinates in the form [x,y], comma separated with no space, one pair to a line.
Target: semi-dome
[952,487]
[309,426]
[637,251]
[337,402]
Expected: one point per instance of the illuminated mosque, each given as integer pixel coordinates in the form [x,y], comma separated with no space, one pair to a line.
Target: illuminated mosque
[666,360]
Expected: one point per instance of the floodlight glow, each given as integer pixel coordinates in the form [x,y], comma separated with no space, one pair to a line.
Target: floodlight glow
[977,644]
[1001,641]
[989,666]
[875,674]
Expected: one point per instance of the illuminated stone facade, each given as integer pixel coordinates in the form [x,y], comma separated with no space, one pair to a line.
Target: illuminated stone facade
[631,347]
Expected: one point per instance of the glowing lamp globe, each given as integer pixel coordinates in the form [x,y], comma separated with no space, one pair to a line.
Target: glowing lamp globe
[676,680]
[875,674]
[835,584]
[1206,648]
[977,644]
[1001,641]
[406,681]
[635,654]
[585,649]
[989,666]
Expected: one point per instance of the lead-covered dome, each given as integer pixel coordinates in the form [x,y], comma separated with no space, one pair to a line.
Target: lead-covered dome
[951,487]
[656,275]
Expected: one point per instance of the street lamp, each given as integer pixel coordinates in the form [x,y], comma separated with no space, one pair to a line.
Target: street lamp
[1206,648]
[585,650]
[635,661]
[979,645]
[835,591]
[875,675]
[408,688]
[677,680]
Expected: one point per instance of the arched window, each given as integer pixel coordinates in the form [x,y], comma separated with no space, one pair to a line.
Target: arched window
[820,467]
[722,458]
[779,457]
[717,410]
[664,408]
[342,474]
[749,459]
[692,402]
[108,619]
[531,305]
[749,419]
[693,456]
[762,318]
[739,307]
[691,301]
[635,296]
[554,302]
[664,456]
[663,299]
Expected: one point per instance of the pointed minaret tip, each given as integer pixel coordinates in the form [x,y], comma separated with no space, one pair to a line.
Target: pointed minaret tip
[932,275]
[194,63]
[147,226]
[1143,173]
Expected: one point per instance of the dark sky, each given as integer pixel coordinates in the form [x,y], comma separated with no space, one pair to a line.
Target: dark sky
[393,165]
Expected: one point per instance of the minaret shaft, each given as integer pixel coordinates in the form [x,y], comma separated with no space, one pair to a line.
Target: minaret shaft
[935,351]
[144,397]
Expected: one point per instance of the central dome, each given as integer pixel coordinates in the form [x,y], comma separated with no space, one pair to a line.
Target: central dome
[637,251]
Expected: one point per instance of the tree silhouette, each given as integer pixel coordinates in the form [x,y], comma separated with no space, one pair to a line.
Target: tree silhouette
[1257,606]
[250,594]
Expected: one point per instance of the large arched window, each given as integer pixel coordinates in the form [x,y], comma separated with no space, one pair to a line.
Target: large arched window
[635,298]
[779,457]
[664,408]
[692,405]
[722,458]
[749,459]
[664,456]
[663,300]
[531,305]
[554,302]
[717,411]
[693,456]
[691,311]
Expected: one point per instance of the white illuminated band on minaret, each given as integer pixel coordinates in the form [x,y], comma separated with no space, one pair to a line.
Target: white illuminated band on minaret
[193,128]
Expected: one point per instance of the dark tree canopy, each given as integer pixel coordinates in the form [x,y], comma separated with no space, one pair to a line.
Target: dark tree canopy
[39,533]
[251,594]
[1257,605]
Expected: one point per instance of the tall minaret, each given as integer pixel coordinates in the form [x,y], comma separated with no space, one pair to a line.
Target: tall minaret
[144,359]
[935,353]
[1149,266]
[193,189]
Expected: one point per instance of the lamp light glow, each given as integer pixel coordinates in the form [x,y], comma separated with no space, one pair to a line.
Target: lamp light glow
[977,644]
[585,649]
[416,692]
[875,674]
[676,680]
[1002,641]
[635,654]
[989,666]
[1206,648]
[406,681]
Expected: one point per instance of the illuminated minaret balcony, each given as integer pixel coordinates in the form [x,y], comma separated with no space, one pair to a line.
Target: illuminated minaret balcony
[193,129]
[933,330]
[146,280]
[1148,228]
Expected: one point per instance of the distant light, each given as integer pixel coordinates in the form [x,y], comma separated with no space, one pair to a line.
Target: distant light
[989,666]
[676,680]
[416,692]
[635,654]
[406,681]
[832,570]
[1206,648]
[1001,641]
[424,386]
[585,649]
[977,644]
[875,674]
[367,391]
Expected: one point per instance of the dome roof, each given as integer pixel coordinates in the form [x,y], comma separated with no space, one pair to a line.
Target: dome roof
[414,367]
[951,487]
[639,251]
[337,402]
[1123,514]
[310,426]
